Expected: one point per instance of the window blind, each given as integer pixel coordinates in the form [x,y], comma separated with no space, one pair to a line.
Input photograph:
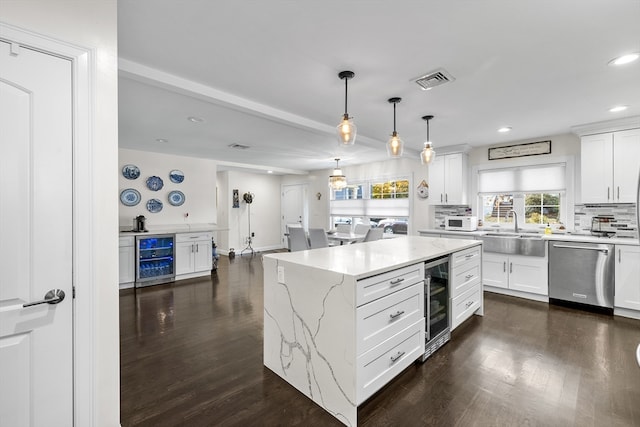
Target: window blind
[370,207]
[525,179]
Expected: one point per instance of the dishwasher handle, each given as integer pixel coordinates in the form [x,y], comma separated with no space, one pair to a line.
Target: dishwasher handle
[603,250]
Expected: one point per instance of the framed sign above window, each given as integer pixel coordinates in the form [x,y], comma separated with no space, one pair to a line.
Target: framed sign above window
[520,150]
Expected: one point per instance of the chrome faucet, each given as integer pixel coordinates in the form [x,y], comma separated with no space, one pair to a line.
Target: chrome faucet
[515,218]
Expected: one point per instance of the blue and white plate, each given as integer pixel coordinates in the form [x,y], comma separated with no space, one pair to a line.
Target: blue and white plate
[130,197]
[155,183]
[130,171]
[176,198]
[154,205]
[176,176]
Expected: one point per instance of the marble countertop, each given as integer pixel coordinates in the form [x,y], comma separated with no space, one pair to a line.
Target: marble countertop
[370,258]
[569,237]
[173,228]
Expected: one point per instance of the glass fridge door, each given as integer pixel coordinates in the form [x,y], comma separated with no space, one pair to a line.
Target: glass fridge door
[155,259]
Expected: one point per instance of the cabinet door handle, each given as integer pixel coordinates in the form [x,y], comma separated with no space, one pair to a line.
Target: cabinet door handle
[608,193]
[397,357]
[618,192]
[510,267]
[396,314]
[446,197]
[504,267]
[441,198]
[619,256]
[396,281]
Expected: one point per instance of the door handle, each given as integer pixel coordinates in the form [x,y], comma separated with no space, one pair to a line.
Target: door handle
[504,267]
[54,296]
[605,251]
[397,357]
[396,314]
[510,267]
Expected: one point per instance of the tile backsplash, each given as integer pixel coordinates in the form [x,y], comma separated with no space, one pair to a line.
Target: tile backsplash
[624,215]
[441,212]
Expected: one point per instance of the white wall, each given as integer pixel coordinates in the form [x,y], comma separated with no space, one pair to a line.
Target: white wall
[265,211]
[92,24]
[199,188]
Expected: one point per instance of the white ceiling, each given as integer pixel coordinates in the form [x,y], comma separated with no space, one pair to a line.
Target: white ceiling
[264,74]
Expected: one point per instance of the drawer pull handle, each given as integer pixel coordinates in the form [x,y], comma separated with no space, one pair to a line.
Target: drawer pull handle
[469,304]
[469,256]
[468,276]
[396,314]
[397,357]
[395,282]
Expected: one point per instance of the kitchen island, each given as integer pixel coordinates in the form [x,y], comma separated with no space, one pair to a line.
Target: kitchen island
[341,322]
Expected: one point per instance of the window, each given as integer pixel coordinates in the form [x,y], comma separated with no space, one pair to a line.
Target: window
[536,193]
[375,202]
[542,208]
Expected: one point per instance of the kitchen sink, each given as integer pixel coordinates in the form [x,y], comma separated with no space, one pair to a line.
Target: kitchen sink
[529,244]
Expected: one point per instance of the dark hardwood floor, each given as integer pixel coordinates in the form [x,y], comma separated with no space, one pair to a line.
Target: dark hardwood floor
[191,355]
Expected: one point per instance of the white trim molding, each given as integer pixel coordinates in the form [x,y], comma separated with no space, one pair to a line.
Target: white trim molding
[624,123]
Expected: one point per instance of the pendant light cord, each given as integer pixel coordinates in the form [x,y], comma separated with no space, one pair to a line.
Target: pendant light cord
[346,82]
[428,131]
[394,118]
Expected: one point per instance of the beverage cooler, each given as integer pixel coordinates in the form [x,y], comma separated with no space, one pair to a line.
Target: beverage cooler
[436,305]
[155,262]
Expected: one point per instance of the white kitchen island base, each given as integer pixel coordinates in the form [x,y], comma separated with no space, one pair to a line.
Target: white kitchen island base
[341,322]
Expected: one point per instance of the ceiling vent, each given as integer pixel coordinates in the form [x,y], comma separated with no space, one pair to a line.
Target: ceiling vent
[434,78]
[238,146]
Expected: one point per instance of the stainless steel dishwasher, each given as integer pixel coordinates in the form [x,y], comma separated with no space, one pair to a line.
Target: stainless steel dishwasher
[582,273]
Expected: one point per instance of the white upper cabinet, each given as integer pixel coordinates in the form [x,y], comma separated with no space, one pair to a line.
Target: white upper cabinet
[610,164]
[448,179]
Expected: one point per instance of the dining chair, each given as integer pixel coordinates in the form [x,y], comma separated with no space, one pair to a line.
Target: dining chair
[318,238]
[343,228]
[373,234]
[298,239]
[361,229]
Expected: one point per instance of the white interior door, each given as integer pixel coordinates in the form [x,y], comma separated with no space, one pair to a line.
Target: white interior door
[293,208]
[36,362]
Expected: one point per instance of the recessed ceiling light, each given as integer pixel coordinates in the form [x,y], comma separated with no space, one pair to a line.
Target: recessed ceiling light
[625,59]
[162,140]
[195,119]
[269,171]
[618,108]
[504,129]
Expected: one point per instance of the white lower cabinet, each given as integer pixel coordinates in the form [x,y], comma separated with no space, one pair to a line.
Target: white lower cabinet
[127,252]
[193,254]
[466,286]
[627,277]
[516,272]
[390,329]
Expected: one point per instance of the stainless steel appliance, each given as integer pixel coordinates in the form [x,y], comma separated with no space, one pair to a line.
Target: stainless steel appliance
[582,273]
[436,305]
[139,224]
[155,262]
[461,223]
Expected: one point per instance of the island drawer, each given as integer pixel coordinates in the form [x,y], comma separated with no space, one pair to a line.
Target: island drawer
[464,277]
[375,287]
[385,317]
[379,365]
[467,255]
[463,306]
[192,237]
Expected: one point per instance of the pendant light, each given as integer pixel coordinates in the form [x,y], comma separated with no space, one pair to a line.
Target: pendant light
[428,153]
[337,181]
[346,129]
[395,146]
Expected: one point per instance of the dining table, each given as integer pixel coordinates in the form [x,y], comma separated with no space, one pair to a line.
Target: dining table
[345,237]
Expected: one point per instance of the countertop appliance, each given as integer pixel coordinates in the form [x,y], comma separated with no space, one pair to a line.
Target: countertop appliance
[436,305]
[155,261]
[139,224]
[582,273]
[601,225]
[461,223]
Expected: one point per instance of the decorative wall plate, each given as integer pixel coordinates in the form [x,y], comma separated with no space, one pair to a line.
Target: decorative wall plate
[176,198]
[130,171]
[130,197]
[154,205]
[176,176]
[155,183]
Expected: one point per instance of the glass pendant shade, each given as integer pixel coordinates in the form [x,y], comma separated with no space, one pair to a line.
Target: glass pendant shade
[395,146]
[337,180]
[347,130]
[427,154]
